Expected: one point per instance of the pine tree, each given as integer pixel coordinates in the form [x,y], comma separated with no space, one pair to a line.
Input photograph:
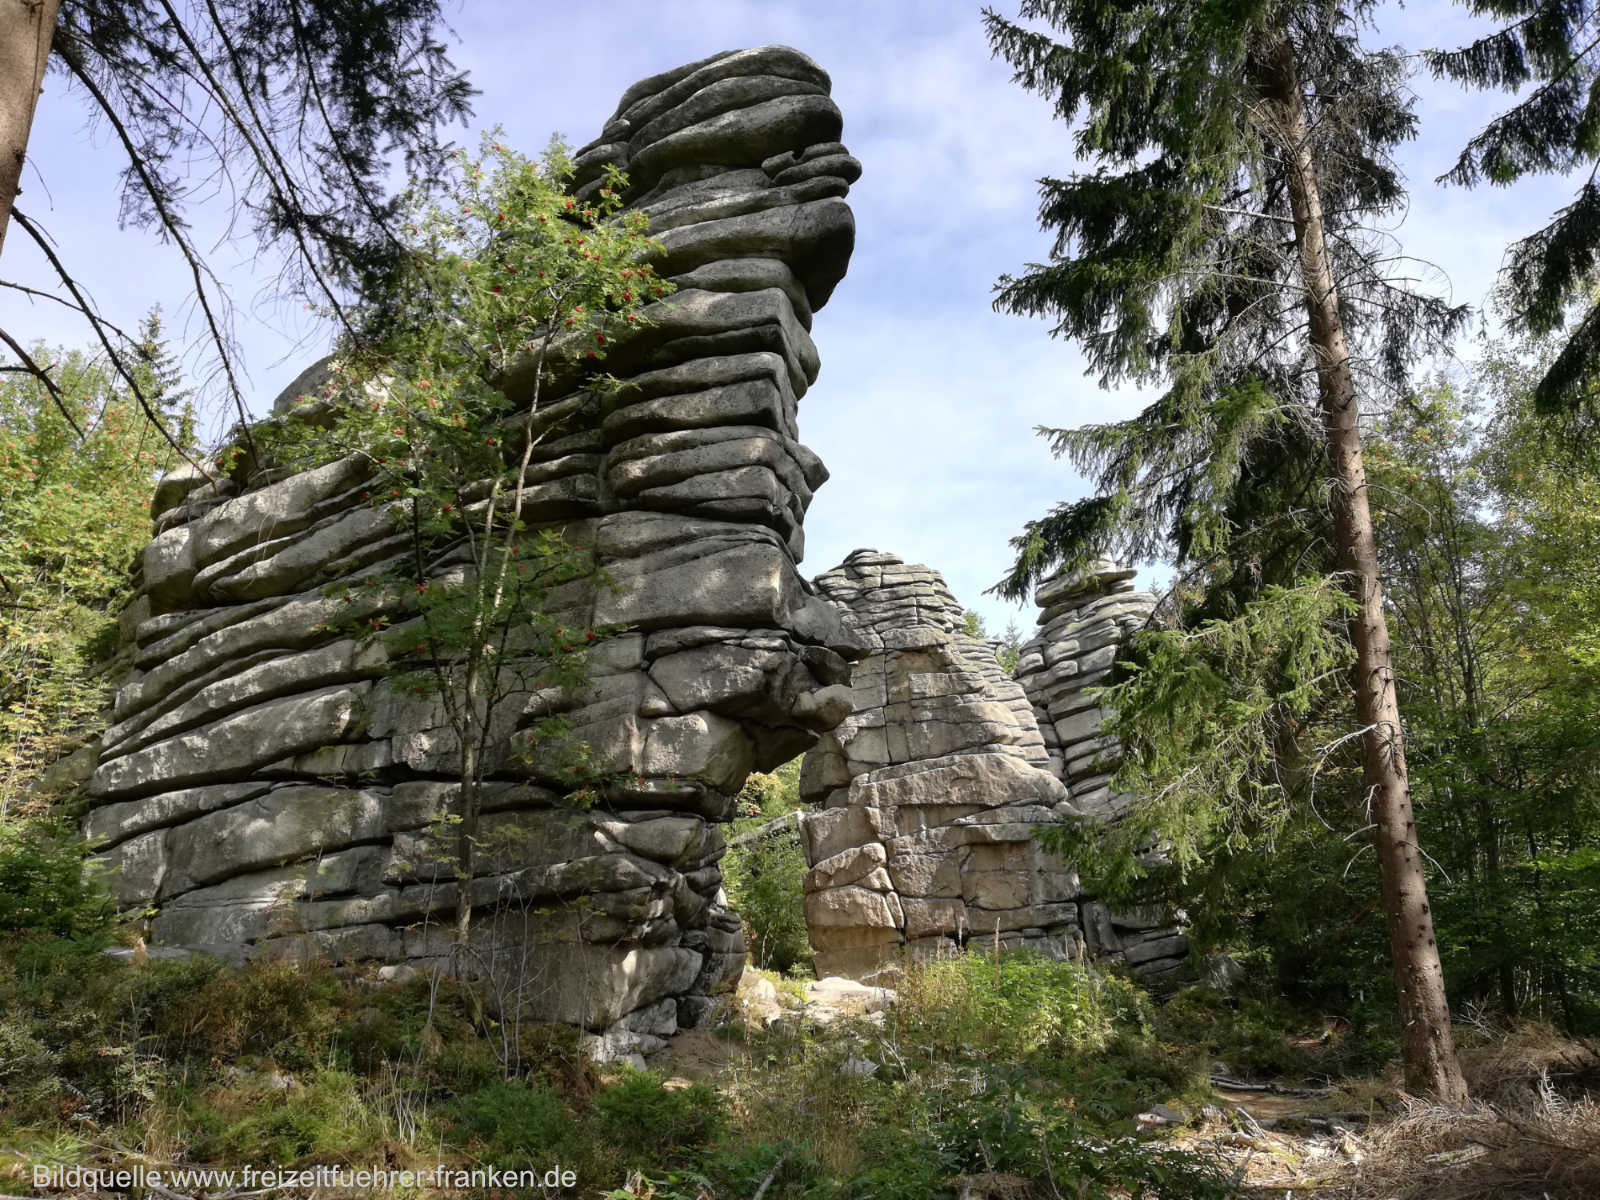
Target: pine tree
[1224,244]
[1555,130]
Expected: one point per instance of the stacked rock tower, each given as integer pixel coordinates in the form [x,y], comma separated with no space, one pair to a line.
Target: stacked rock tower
[1087,617]
[264,788]
[933,788]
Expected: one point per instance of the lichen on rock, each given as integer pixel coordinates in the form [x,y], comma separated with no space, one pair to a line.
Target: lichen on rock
[265,789]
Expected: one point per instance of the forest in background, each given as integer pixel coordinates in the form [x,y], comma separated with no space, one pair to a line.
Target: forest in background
[1231,247]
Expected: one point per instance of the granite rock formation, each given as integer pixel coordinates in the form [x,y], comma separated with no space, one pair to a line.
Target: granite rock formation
[932,789]
[265,790]
[1086,617]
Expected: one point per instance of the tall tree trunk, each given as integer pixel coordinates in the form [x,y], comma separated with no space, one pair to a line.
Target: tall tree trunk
[1558,966]
[1427,1043]
[1489,833]
[26,27]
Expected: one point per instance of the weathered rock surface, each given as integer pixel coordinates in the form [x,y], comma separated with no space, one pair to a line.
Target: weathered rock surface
[267,789]
[933,787]
[1086,616]
[930,789]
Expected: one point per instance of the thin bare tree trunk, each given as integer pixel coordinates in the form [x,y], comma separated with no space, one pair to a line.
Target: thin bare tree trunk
[26,27]
[473,741]
[466,839]
[1427,1043]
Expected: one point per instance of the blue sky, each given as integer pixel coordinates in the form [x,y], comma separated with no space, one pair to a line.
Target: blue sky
[927,399]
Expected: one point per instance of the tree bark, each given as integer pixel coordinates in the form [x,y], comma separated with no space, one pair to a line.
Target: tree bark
[26,28]
[467,831]
[1426,1040]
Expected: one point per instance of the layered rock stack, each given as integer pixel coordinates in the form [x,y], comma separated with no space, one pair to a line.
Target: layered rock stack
[930,790]
[1086,618]
[264,788]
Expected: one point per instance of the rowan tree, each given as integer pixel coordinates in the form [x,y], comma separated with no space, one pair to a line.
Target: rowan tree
[506,268]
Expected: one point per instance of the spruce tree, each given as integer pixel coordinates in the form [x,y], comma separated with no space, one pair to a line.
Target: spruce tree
[299,104]
[1223,242]
[1554,44]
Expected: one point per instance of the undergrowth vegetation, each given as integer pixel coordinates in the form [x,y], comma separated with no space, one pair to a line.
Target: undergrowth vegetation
[764,872]
[1011,1064]
[992,1072]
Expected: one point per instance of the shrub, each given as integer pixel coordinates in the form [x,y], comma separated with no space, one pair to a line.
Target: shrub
[764,870]
[44,886]
[644,1115]
[1010,1006]
[256,1119]
[275,1010]
[899,1168]
[1005,1129]
[82,1036]
[521,1123]
[764,798]
[764,879]
[75,1029]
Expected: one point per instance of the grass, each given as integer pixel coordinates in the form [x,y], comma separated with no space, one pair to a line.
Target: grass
[1532,1132]
[193,1062]
[994,1076]
[1541,1145]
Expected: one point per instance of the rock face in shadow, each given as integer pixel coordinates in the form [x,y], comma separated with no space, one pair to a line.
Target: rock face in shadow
[266,789]
[1085,619]
[932,789]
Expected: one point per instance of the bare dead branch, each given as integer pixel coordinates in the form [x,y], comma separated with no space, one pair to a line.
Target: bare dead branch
[99,328]
[43,377]
[175,230]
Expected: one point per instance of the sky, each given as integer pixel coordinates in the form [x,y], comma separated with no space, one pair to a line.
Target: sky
[927,401]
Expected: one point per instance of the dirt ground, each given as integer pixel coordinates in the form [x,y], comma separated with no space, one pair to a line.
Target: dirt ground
[1542,1148]
[697,1054]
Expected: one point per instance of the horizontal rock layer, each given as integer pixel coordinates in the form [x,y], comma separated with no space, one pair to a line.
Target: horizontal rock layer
[932,789]
[267,786]
[929,790]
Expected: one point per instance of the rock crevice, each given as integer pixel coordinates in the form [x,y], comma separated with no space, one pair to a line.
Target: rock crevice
[266,788]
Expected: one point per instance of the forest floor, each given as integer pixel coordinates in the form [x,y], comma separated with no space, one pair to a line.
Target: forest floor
[980,1078]
[1532,1130]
